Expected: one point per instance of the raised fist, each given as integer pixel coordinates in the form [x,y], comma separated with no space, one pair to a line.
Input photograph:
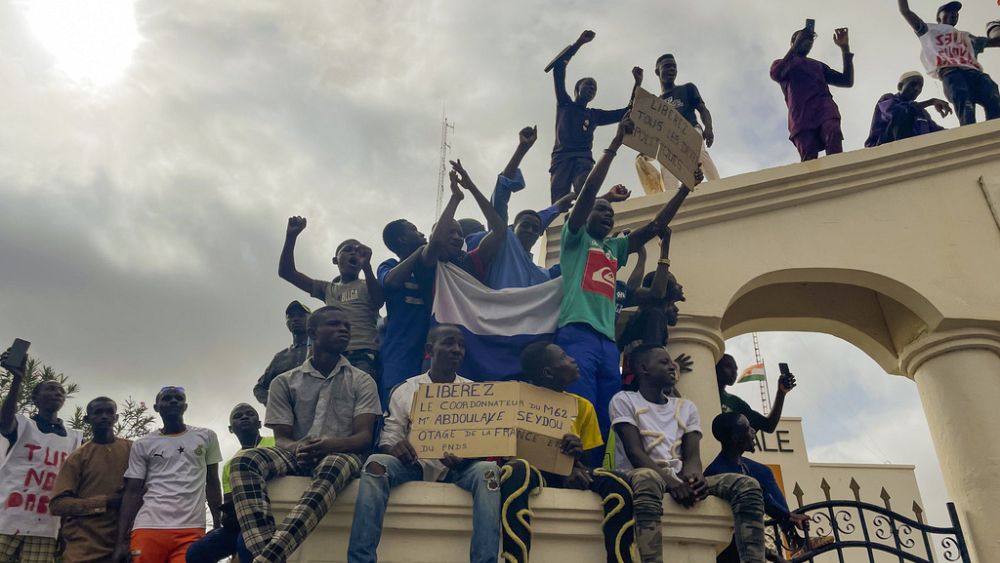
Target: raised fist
[296,225]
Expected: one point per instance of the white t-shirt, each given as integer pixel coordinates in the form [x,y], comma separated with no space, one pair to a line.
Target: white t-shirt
[397,422]
[175,470]
[27,477]
[660,426]
[944,46]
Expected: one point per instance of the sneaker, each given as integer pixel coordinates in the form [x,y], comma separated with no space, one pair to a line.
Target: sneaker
[812,545]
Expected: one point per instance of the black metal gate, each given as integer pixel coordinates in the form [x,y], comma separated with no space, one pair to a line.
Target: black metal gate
[860,526]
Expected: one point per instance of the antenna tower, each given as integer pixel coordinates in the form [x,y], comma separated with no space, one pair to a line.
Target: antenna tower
[765,393]
[445,147]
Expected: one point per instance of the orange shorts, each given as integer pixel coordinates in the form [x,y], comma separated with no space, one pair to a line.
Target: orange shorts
[163,546]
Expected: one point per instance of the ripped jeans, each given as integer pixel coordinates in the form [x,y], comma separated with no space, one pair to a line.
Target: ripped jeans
[743,494]
[481,478]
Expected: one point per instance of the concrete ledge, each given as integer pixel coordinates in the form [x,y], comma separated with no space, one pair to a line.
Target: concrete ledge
[432,523]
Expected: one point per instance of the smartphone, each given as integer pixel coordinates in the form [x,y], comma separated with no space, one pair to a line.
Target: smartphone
[811,25]
[18,352]
[786,378]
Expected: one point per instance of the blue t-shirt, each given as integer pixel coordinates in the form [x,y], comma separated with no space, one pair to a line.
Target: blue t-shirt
[407,322]
[513,266]
[774,501]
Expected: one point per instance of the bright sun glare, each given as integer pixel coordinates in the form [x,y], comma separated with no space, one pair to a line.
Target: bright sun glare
[91,41]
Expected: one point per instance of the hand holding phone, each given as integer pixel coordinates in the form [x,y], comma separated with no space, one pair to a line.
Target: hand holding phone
[786,382]
[15,358]
[811,25]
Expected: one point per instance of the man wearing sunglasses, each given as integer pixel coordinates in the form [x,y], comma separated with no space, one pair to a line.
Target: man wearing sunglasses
[171,473]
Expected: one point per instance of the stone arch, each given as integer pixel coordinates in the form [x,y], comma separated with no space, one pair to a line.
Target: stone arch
[877,314]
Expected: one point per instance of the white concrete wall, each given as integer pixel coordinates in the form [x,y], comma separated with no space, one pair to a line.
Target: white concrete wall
[895,249]
[432,523]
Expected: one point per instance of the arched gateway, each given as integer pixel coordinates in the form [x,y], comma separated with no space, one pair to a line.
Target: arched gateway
[895,249]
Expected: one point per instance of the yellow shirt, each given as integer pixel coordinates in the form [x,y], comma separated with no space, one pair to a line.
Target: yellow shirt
[585,426]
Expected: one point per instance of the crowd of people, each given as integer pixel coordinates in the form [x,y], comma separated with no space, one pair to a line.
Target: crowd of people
[338,399]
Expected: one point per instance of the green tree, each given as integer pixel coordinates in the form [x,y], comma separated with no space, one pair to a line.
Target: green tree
[134,418]
[34,373]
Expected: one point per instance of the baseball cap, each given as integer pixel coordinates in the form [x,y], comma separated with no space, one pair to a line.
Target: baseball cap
[296,306]
[950,7]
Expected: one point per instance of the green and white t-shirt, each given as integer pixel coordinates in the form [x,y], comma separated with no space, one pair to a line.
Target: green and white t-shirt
[589,272]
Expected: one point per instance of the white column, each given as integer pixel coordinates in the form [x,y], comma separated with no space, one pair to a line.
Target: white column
[700,338]
[957,373]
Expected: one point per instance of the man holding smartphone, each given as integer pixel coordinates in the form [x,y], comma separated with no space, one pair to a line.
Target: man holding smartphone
[813,116]
[36,449]
[725,375]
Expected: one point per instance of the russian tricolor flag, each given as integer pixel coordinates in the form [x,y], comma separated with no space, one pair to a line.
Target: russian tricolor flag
[498,323]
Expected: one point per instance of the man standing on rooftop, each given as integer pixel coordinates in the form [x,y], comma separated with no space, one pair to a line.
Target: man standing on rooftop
[687,100]
[572,158]
[813,116]
[950,54]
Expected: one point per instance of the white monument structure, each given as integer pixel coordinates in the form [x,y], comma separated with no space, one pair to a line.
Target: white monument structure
[895,249]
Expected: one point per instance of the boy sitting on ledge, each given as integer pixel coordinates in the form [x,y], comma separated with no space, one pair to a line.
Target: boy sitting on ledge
[547,365]
[658,446]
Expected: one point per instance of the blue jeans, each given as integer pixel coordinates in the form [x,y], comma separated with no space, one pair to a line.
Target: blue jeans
[213,546]
[481,478]
[966,87]
[600,373]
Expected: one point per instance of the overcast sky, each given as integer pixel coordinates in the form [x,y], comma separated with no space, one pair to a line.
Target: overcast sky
[151,153]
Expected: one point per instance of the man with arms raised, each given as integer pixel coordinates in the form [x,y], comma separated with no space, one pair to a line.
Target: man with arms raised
[813,116]
[951,55]
[323,414]
[590,263]
[575,123]
[360,298]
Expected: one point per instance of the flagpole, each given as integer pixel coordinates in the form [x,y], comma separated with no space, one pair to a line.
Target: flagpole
[765,393]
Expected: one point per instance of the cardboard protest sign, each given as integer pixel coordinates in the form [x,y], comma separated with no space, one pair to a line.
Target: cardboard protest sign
[663,133]
[493,419]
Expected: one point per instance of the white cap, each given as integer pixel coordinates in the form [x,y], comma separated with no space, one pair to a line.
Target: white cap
[908,75]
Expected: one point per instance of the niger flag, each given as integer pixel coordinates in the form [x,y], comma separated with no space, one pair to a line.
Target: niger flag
[752,373]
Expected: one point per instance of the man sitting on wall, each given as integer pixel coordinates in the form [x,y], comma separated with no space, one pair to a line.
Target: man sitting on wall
[734,432]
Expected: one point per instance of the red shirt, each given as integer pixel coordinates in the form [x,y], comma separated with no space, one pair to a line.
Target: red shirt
[805,84]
